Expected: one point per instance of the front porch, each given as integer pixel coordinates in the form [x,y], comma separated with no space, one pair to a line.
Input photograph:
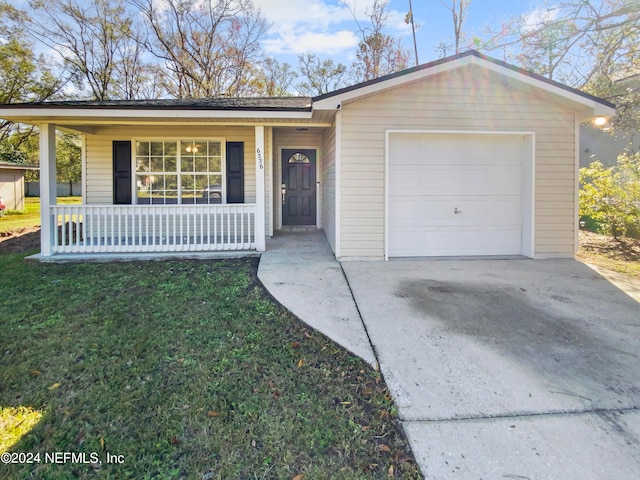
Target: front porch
[180,223]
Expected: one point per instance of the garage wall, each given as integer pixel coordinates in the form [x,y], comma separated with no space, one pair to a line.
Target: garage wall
[469,99]
[328,185]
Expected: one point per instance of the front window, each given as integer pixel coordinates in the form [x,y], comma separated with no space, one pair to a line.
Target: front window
[179,172]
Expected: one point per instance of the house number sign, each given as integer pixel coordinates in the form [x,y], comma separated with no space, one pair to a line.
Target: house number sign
[260,162]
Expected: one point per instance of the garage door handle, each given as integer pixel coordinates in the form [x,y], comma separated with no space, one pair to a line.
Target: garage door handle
[456,211]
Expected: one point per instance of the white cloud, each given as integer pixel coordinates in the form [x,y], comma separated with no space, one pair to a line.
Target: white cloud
[536,18]
[321,43]
[325,27]
[318,13]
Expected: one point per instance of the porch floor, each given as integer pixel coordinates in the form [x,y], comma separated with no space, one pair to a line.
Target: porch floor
[131,257]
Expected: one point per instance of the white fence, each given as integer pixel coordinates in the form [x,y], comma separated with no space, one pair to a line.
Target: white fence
[152,228]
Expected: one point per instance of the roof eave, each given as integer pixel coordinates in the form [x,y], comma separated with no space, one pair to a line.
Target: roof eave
[4,166]
[31,114]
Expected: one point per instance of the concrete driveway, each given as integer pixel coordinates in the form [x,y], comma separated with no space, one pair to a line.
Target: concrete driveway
[516,369]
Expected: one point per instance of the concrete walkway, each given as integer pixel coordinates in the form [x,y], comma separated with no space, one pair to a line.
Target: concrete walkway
[301,272]
[500,369]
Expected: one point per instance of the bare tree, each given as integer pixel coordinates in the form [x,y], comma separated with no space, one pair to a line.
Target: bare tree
[207,47]
[274,79]
[95,39]
[319,76]
[378,53]
[593,45]
[459,10]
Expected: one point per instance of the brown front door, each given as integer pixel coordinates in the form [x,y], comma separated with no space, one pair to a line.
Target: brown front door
[299,183]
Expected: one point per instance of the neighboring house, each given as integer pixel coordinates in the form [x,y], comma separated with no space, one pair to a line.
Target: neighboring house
[463,156]
[596,144]
[12,184]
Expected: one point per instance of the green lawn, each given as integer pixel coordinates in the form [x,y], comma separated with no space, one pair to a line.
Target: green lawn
[30,217]
[185,370]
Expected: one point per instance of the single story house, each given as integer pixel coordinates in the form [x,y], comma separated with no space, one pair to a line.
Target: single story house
[12,184]
[466,155]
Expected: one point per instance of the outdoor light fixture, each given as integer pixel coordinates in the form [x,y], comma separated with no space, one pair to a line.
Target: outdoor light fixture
[600,121]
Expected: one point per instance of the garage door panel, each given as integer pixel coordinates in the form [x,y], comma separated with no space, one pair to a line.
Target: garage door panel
[433,211]
[456,242]
[455,195]
[455,149]
[445,180]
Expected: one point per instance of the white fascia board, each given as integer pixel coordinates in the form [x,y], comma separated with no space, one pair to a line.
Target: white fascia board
[71,113]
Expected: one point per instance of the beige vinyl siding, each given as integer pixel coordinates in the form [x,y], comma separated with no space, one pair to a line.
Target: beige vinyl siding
[472,99]
[292,138]
[99,174]
[328,185]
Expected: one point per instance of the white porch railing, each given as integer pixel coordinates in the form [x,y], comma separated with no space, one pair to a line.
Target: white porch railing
[152,228]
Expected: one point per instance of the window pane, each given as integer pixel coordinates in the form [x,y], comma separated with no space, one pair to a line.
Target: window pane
[157,164]
[142,164]
[188,147]
[201,165]
[215,181]
[186,164]
[170,149]
[170,164]
[142,149]
[157,182]
[171,182]
[200,148]
[214,165]
[157,148]
[214,149]
[187,182]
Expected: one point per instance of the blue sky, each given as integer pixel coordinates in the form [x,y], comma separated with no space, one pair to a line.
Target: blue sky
[326,27]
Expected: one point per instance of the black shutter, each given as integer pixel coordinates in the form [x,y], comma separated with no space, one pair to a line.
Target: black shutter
[121,173]
[235,172]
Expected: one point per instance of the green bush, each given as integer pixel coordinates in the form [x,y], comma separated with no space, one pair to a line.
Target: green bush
[610,197]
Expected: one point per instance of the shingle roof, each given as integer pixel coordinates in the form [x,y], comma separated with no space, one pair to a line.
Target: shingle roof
[221,103]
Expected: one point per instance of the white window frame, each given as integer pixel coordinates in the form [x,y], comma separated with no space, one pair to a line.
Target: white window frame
[179,140]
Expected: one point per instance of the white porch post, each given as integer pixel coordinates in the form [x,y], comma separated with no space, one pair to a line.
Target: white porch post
[48,195]
[260,190]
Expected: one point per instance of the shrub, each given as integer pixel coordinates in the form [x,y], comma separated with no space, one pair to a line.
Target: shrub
[610,197]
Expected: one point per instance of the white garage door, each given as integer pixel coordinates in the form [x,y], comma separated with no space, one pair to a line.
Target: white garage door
[455,194]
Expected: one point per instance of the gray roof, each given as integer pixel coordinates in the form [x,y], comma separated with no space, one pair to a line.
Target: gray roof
[219,103]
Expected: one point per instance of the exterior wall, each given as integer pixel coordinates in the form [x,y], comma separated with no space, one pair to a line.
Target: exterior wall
[292,138]
[99,174]
[328,185]
[469,99]
[12,188]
